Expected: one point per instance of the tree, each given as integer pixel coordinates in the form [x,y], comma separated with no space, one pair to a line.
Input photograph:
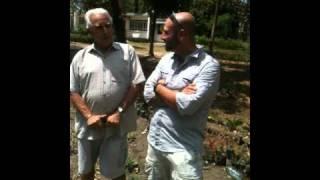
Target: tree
[213,27]
[232,20]
[156,8]
[162,8]
[136,6]
[153,15]
[118,19]
[203,10]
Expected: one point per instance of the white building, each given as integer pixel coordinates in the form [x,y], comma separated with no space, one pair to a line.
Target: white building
[138,26]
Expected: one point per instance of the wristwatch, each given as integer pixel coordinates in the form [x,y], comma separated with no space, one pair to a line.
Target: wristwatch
[120,109]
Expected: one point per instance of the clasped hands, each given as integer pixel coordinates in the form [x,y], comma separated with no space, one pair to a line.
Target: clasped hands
[104,120]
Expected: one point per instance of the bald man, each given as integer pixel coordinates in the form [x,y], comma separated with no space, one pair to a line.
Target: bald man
[182,88]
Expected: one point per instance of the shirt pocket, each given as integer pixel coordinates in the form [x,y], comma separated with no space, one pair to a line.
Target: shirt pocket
[181,81]
[118,86]
[164,74]
[188,78]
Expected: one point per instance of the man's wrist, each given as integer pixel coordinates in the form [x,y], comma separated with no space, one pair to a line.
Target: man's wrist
[120,109]
[89,116]
[155,87]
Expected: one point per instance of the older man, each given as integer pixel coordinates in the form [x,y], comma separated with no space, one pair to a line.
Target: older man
[105,79]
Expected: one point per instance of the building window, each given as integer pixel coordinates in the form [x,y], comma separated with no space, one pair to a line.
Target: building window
[160,28]
[138,25]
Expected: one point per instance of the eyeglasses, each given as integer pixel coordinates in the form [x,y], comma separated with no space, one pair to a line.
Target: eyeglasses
[98,26]
[175,21]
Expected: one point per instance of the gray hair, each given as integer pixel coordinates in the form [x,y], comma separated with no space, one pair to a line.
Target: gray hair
[95,11]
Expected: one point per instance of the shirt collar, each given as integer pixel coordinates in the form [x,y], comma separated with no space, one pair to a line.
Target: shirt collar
[195,54]
[114,46]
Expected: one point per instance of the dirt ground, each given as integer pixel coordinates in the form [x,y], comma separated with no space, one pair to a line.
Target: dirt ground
[137,152]
[229,105]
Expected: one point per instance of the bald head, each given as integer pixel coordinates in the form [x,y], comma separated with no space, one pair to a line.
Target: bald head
[187,21]
[179,33]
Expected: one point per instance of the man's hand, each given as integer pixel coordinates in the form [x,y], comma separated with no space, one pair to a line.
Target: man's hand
[94,120]
[189,89]
[114,119]
[162,81]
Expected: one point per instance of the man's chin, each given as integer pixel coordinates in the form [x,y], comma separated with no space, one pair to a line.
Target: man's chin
[169,48]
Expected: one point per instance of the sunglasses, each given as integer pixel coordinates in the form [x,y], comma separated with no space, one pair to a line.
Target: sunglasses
[173,18]
[99,26]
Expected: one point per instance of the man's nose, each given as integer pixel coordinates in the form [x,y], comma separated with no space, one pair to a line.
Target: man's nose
[162,37]
[105,29]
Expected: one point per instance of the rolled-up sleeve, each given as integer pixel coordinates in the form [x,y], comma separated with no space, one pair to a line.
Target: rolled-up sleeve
[207,84]
[148,92]
[74,74]
[137,73]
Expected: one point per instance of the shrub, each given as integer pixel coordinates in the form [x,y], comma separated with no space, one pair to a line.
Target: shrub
[232,124]
[231,44]
[81,38]
[234,55]
[81,30]
[230,49]
[203,40]
[224,26]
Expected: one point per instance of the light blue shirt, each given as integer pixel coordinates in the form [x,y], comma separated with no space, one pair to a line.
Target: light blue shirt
[175,130]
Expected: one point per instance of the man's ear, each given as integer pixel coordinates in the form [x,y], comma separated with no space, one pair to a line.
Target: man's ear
[89,30]
[182,33]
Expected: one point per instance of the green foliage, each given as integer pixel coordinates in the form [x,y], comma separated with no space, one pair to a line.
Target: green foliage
[88,4]
[233,55]
[131,165]
[203,40]
[80,38]
[232,44]
[220,156]
[134,177]
[241,159]
[130,6]
[216,152]
[230,49]
[143,109]
[233,18]
[224,26]
[203,12]
[131,136]
[212,118]
[81,30]
[232,124]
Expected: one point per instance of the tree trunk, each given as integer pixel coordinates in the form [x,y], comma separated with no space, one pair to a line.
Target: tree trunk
[211,42]
[76,20]
[152,29]
[136,6]
[118,21]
